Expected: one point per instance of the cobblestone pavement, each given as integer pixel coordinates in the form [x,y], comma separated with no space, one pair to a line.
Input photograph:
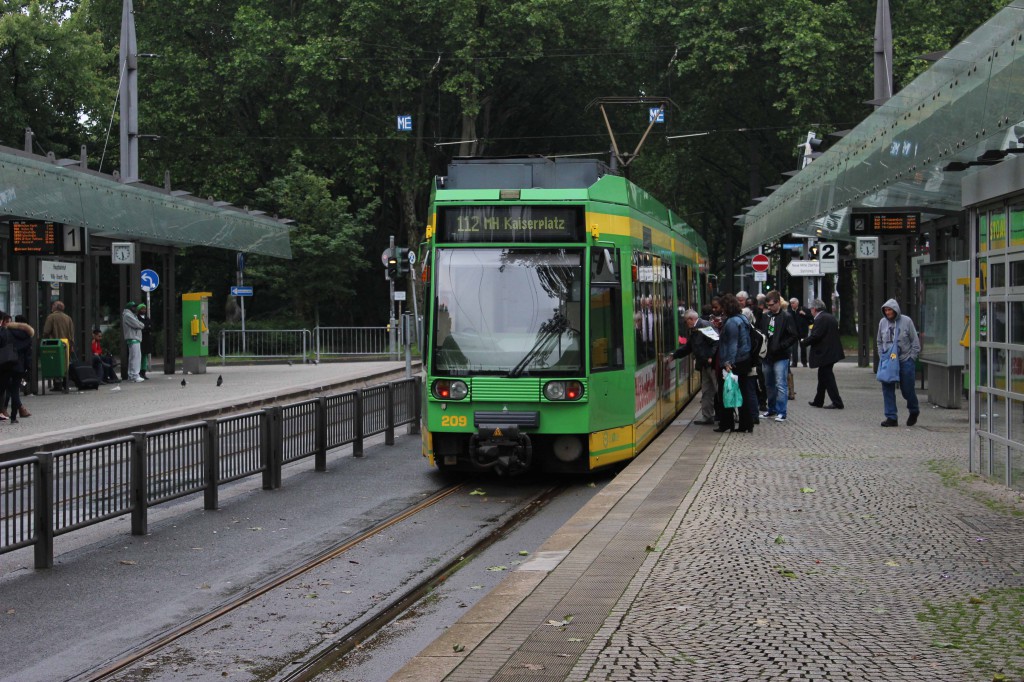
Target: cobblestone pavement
[829,548]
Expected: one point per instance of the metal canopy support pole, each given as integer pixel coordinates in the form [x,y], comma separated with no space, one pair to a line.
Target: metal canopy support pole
[171,311]
[122,289]
[30,275]
[90,319]
[129,95]
[863,318]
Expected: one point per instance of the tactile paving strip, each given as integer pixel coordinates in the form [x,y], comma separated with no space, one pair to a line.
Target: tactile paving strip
[588,582]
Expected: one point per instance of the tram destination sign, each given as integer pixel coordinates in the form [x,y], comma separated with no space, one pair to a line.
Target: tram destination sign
[511,224]
[35,238]
[885,223]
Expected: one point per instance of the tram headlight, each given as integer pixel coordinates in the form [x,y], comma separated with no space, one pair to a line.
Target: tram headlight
[563,390]
[443,389]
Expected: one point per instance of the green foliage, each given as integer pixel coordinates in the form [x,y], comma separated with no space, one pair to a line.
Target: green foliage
[327,241]
[54,74]
[290,107]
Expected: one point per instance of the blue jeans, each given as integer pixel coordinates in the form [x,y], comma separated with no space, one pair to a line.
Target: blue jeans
[776,375]
[907,376]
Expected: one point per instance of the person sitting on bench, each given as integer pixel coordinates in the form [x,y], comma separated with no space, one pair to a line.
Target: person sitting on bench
[102,363]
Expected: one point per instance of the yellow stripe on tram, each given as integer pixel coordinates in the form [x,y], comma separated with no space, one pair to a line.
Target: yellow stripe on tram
[611,445]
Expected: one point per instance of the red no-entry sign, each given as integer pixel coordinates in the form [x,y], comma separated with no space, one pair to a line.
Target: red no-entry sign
[759,263]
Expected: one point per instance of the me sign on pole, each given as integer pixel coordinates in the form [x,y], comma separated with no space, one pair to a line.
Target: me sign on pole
[759,263]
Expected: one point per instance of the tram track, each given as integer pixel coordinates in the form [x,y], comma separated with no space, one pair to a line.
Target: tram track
[333,650]
[167,638]
[310,666]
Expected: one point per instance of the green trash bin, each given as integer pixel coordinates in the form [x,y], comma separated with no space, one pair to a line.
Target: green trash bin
[53,361]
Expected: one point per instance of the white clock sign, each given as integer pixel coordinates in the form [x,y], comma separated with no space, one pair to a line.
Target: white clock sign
[122,253]
[867,247]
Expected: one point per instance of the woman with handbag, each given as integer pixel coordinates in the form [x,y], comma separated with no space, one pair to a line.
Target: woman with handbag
[898,348]
[734,358]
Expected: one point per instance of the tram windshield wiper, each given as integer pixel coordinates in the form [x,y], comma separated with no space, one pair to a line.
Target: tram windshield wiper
[549,331]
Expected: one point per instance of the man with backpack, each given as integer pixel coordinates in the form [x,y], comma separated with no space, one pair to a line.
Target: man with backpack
[702,343]
[779,328]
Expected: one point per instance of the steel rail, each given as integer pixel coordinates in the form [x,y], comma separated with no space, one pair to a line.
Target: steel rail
[327,655]
[167,638]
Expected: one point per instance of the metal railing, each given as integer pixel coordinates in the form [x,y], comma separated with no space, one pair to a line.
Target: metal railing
[343,341]
[264,343]
[52,493]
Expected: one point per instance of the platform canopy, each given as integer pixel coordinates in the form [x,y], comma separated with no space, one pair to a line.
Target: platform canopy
[36,187]
[963,114]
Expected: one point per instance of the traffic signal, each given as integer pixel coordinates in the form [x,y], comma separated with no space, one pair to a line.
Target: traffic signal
[392,271]
[403,262]
[812,147]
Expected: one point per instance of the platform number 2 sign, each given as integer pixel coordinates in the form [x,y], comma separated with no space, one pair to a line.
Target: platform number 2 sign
[828,257]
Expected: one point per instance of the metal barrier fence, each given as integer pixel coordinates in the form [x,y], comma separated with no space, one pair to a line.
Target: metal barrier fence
[339,341]
[52,493]
[264,343]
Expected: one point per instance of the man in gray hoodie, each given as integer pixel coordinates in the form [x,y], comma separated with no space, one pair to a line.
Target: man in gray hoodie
[897,337]
[131,330]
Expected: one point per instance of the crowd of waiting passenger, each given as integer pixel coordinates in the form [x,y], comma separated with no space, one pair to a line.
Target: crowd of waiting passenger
[725,339]
[17,341]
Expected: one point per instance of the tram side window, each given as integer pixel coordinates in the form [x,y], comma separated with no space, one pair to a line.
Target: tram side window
[643,308]
[606,347]
[667,327]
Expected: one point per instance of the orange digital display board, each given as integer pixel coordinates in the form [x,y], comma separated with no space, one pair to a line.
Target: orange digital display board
[885,223]
[34,238]
[890,223]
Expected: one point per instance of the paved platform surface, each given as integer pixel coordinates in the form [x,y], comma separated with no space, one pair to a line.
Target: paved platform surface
[826,548]
[59,419]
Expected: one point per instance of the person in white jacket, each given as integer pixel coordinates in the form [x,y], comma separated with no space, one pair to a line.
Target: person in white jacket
[131,330]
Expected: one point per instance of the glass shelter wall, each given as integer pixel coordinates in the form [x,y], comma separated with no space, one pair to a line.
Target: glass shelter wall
[998,348]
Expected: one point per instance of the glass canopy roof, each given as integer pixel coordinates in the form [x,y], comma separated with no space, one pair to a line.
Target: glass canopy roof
[41,188]
[964,113]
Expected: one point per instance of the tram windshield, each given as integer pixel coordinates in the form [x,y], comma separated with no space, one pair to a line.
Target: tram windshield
[508,311]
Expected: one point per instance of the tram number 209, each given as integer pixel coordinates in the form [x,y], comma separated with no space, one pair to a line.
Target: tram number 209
[453,420]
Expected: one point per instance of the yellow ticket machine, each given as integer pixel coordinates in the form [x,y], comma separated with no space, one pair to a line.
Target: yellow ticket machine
[195,331]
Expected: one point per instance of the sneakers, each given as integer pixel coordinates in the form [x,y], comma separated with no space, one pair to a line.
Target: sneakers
[137,380]
[768,413]
[890,422]
[814,404]
[912,419]
[780,418]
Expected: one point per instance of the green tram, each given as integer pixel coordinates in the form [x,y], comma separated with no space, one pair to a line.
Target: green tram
[554,290]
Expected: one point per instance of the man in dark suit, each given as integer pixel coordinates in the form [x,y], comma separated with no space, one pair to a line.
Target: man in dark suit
[826,349]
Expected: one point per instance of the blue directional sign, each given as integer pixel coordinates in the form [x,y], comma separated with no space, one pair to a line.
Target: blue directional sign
[405,123]
[150,280]
[657,114]
[241,291]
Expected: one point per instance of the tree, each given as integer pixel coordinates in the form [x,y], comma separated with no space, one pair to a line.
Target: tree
[327,242]
[52,70]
